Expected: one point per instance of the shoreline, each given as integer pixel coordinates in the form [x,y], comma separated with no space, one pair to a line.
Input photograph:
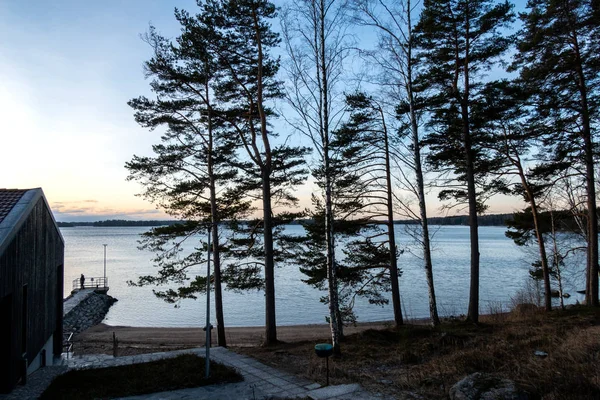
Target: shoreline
[137,340]
[98,339]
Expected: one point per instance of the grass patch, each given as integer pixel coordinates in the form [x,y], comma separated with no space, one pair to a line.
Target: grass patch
[428,361]
[184,371]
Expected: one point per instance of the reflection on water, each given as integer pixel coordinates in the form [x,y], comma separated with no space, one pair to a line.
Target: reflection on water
[504,270]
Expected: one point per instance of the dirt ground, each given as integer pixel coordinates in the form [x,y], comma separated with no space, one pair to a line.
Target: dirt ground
[415,359]
[136,340]
[418,361]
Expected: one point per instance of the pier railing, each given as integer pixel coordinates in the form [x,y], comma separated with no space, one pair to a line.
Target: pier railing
[91,283]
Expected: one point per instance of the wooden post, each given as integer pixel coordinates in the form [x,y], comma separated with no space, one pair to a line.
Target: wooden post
[115,346]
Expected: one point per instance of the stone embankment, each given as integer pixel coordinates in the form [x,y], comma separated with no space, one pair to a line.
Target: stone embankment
[89,310]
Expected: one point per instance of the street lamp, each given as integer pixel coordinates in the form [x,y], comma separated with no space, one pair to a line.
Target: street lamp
[104,264]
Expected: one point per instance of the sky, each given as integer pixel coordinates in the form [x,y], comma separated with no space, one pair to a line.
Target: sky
[67,70]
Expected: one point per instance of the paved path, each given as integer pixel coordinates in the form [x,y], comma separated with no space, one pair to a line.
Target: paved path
[37,382]
[260,381]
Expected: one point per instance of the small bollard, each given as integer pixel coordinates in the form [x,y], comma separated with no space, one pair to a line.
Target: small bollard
[115,346]
[324,350]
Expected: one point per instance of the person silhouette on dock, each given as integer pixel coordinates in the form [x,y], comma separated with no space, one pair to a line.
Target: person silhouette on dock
[82,280]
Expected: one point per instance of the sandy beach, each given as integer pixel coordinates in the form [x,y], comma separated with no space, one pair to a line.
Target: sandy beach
[136,340]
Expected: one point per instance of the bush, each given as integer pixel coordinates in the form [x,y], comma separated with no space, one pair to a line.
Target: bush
[530,294]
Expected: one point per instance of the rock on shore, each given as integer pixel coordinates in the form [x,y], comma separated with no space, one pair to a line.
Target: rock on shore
[481,386]
[89,312]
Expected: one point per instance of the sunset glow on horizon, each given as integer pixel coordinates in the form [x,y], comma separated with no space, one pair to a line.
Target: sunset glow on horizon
[69,68]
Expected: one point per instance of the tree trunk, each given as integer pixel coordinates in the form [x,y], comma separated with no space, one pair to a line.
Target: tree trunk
[216,251]
[334,308]
[426,243]
[543,257]
[270,320]
[539,237]
[473,311]
[221,341]
[591,293]
[556,261]
[592,213]
[592,287]
[334,314]
[335,320]
[391,234]
[542,249]
[433,312]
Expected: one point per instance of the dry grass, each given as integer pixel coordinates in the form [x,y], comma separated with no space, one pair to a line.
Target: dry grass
[429,361]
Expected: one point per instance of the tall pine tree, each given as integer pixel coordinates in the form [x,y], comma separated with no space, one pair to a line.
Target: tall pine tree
[191,175]
[357,199]
[559,60]
[396,76]
[373,154]
[513,136]
[247,84]
[457,41]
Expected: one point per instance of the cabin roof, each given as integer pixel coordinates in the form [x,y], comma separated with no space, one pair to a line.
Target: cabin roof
[8,199]
[15,207]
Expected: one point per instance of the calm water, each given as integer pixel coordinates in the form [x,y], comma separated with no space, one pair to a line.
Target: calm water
[504,270]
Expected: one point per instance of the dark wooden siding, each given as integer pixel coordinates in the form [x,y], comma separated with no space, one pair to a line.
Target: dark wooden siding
[33,258]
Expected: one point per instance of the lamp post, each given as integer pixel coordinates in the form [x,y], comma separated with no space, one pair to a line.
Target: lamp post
[104,264]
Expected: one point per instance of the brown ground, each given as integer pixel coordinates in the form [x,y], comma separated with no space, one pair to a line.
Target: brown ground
[427,361]
[98,339]
[414,358]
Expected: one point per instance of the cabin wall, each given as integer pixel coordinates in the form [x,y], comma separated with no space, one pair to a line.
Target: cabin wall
[31,289]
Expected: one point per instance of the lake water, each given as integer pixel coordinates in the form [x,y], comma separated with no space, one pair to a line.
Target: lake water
[504,271]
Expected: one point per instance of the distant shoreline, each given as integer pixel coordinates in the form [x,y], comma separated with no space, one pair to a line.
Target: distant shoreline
[460,220]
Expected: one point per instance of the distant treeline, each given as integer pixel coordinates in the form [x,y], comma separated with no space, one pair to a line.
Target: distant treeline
[118,222]
[484,220]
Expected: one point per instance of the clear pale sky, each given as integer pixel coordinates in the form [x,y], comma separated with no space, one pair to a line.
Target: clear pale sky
[67,70]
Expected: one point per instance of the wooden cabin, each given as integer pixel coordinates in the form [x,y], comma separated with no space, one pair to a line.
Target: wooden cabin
[31,285]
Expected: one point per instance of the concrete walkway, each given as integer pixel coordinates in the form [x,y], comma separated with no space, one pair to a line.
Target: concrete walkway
[260,381]
[37,382]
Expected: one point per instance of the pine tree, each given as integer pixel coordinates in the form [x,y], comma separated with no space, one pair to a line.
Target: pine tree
[365,269]
[513,135]
[559,60]
[458,40]
[191,174]
[560,225]
[247,84]
[396,77]
[372,152]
